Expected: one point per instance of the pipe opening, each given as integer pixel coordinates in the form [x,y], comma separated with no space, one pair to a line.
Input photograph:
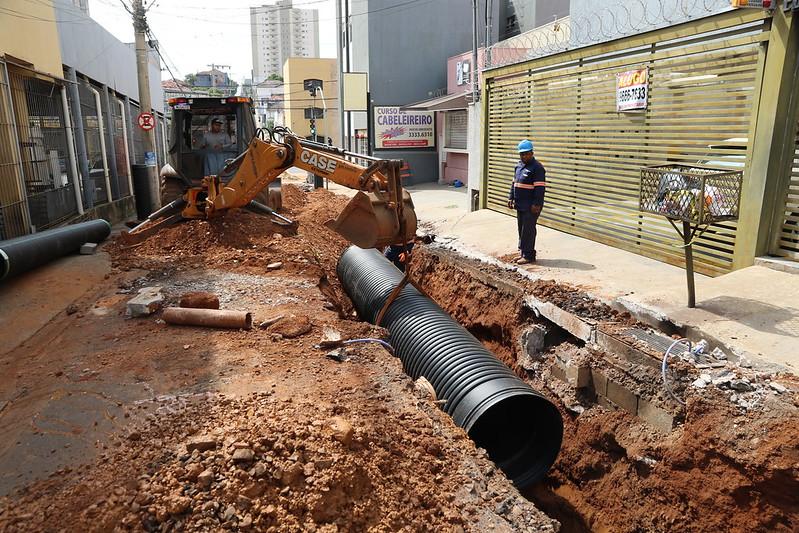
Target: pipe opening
[522,435]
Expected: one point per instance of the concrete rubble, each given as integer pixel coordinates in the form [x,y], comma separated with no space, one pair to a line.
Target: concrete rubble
[148,301]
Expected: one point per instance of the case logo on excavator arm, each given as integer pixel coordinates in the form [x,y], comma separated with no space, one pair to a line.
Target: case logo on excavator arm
[321,162]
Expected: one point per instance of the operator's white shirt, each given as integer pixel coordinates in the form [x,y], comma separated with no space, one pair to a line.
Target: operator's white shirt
[211,140]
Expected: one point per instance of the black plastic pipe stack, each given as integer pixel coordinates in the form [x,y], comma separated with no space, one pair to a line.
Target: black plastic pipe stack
[26,253]
[520,429]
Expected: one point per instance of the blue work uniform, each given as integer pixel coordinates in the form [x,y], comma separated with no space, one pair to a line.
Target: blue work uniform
[527,190]
[394,251]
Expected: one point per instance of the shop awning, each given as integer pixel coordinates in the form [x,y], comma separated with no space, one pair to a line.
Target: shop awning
[442,103]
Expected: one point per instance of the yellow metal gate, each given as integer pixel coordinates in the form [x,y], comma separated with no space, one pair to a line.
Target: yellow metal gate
[788,231]
[702,97]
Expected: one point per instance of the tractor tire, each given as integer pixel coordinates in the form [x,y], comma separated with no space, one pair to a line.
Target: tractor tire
[171,189]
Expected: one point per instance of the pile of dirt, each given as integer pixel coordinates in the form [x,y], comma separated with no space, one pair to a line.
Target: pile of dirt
[342,459]
[246,242]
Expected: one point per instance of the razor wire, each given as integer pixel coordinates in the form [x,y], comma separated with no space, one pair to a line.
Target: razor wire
[601,24]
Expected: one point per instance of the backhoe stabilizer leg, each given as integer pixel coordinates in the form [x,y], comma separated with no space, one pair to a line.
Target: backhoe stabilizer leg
[166,216]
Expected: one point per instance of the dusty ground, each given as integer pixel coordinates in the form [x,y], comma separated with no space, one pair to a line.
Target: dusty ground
[724,469]
[114,423]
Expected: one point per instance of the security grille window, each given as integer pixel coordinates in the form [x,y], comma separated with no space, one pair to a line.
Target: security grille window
[456,129]
[12,195]
[42,138]
[94,151]
[138,136]
[121,155]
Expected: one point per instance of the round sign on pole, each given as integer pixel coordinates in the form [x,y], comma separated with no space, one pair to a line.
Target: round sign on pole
[146,121]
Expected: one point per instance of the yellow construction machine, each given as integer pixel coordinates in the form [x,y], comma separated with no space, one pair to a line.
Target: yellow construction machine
[381,213]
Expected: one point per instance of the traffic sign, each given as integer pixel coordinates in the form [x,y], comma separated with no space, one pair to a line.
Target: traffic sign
[146,121]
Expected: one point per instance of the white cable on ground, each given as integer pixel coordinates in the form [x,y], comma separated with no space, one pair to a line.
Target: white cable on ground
[383,343]
[664,366]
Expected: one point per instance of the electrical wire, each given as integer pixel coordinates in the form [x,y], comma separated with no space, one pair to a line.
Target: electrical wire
[310,21]
[157,49]
[664,367]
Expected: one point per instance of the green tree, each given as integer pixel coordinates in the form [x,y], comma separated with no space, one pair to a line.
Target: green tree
[213,91]
[191,79]
[275,77]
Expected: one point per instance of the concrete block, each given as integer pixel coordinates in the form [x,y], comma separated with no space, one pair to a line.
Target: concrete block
[558,373]
[622,397]
[578,376]
[607,404]
[600,382]
[655,416]
[630,353]
[148,301]
[88,248]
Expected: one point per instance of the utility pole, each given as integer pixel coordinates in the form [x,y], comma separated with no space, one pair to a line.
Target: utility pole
[475,88]
[143,68]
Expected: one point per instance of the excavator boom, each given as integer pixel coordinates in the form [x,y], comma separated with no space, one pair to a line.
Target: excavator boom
[381,213]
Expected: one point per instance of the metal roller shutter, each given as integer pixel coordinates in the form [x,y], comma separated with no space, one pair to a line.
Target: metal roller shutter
[701,98]
[788,244]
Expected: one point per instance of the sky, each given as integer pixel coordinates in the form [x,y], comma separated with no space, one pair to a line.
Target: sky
[196,33]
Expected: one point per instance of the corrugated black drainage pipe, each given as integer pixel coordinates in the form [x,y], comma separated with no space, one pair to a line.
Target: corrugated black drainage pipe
[520,429]
[26,253]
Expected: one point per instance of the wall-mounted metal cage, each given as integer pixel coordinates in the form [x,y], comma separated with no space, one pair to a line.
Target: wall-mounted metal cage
[697,195]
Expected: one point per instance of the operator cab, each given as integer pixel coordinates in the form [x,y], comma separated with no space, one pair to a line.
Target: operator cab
[190,156]
[192,122]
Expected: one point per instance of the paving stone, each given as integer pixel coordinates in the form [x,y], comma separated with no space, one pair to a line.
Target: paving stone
[88,248]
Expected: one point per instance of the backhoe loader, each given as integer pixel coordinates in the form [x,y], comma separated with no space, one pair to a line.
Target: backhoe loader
[381,213]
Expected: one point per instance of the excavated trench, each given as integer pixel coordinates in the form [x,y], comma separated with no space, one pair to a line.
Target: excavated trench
[633,458]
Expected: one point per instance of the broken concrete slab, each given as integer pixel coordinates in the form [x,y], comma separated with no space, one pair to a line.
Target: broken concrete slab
[580,328]
[148,301]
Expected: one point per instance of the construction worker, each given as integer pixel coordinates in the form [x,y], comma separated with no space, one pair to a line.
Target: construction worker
[215,143]
[399,254]
[527,197]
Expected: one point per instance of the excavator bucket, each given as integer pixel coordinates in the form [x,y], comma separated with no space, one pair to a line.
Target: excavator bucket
[368,222]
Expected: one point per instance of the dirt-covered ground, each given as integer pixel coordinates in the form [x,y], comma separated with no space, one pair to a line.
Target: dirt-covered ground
[121,423]
[732,465]
[117,423]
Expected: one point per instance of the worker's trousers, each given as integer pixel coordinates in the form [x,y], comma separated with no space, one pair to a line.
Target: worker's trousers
[526,222]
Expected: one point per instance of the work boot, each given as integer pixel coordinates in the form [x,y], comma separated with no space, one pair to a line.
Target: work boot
[524,261]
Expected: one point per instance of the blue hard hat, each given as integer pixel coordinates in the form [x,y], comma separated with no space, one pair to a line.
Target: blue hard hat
[525,146]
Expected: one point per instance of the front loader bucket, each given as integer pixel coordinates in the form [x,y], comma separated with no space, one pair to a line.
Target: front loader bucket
[368,222]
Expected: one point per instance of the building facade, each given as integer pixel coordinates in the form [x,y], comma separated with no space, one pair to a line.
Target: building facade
[281,31]
[268,101]
[719,85]
[297,102]
[519,16]
[68,102]
[402,48]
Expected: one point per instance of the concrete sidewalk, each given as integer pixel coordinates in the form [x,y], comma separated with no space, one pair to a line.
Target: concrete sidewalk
[753,312]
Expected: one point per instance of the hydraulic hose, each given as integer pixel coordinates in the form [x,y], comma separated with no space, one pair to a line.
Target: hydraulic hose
[519,428]
[26,253]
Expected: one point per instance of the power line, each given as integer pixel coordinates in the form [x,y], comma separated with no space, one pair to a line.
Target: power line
[256,24]
[158,51]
